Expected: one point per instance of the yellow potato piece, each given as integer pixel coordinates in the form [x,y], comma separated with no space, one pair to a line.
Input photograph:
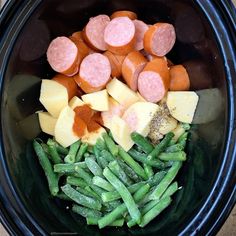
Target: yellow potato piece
[64,133]
[53,96]
[114,109]
[121,93]
[182,105]
[121,133]
[167,125]
[91,137]
[47,122]
[98,100]
[75,102]
[139,115]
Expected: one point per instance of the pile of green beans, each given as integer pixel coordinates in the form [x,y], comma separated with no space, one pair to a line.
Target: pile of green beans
[109,186]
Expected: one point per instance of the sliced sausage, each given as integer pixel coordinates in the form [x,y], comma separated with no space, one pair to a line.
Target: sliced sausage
[129,14]
[154,80]
[159,39]
[133,64]
[120,35]
[69,83]
[62,55]
[116,63]
[179,79]
[94,73]
[94,32]
[83,48]
[140,30]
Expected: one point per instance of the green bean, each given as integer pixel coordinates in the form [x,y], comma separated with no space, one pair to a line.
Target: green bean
[68,168]
[173,156]
[85,212]
[102,183]
[161,146]
[97,189]
[82,150]
[60,149]
[132,163]
[143,158]
[110,206]
[45,148]
[175,148]
[142,142]
[148,170]
[84,175]
[52,177]
[76,181]
[121,209]
[71,156]
[100,144]
[185,126]
[93,166]
[107,155]
[155,211]
[183,139]
[111,196]
[102,162]
[166,181]
[117,170]
[87,193]
[62,196]
[156,179]
[90,149]
[170,190]
[52,150]
[94,221]
[129,171]
[112,147]
[87,154]
[125,195]
[80,198]
[92,192]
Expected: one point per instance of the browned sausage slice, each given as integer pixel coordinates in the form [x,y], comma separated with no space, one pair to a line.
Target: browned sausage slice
[94,32]
[116,63]
[159,39]
[154,80]
[133,64]
[140,30]
[94,73]
[119,35]
[62,55]
[129,14]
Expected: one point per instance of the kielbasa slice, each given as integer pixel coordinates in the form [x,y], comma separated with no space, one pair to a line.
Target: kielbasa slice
[179,79]
[159,39]
[131,15]
[140,30]
[154,80]
[116,63]
[119,35]
[62,55]
[94,32]
[133,64]
[94,73]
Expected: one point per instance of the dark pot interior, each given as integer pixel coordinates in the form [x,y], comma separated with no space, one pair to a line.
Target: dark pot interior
[207,176]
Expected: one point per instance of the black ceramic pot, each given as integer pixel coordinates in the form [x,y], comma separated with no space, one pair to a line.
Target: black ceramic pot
[206,45]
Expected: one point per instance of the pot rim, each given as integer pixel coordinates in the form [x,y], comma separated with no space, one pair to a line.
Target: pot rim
[223,23]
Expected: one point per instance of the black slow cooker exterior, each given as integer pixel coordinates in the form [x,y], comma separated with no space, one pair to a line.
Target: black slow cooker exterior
[206,45]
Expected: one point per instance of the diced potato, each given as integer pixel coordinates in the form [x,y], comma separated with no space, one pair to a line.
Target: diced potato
[64,133]
[141,98]
[53,96]
[114,109]
[178,131]
[121,93]
[139,115]
[167,125]
[121,133]
[182,105]
[98,100]
[47,122]
[91,137]
[75,102]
